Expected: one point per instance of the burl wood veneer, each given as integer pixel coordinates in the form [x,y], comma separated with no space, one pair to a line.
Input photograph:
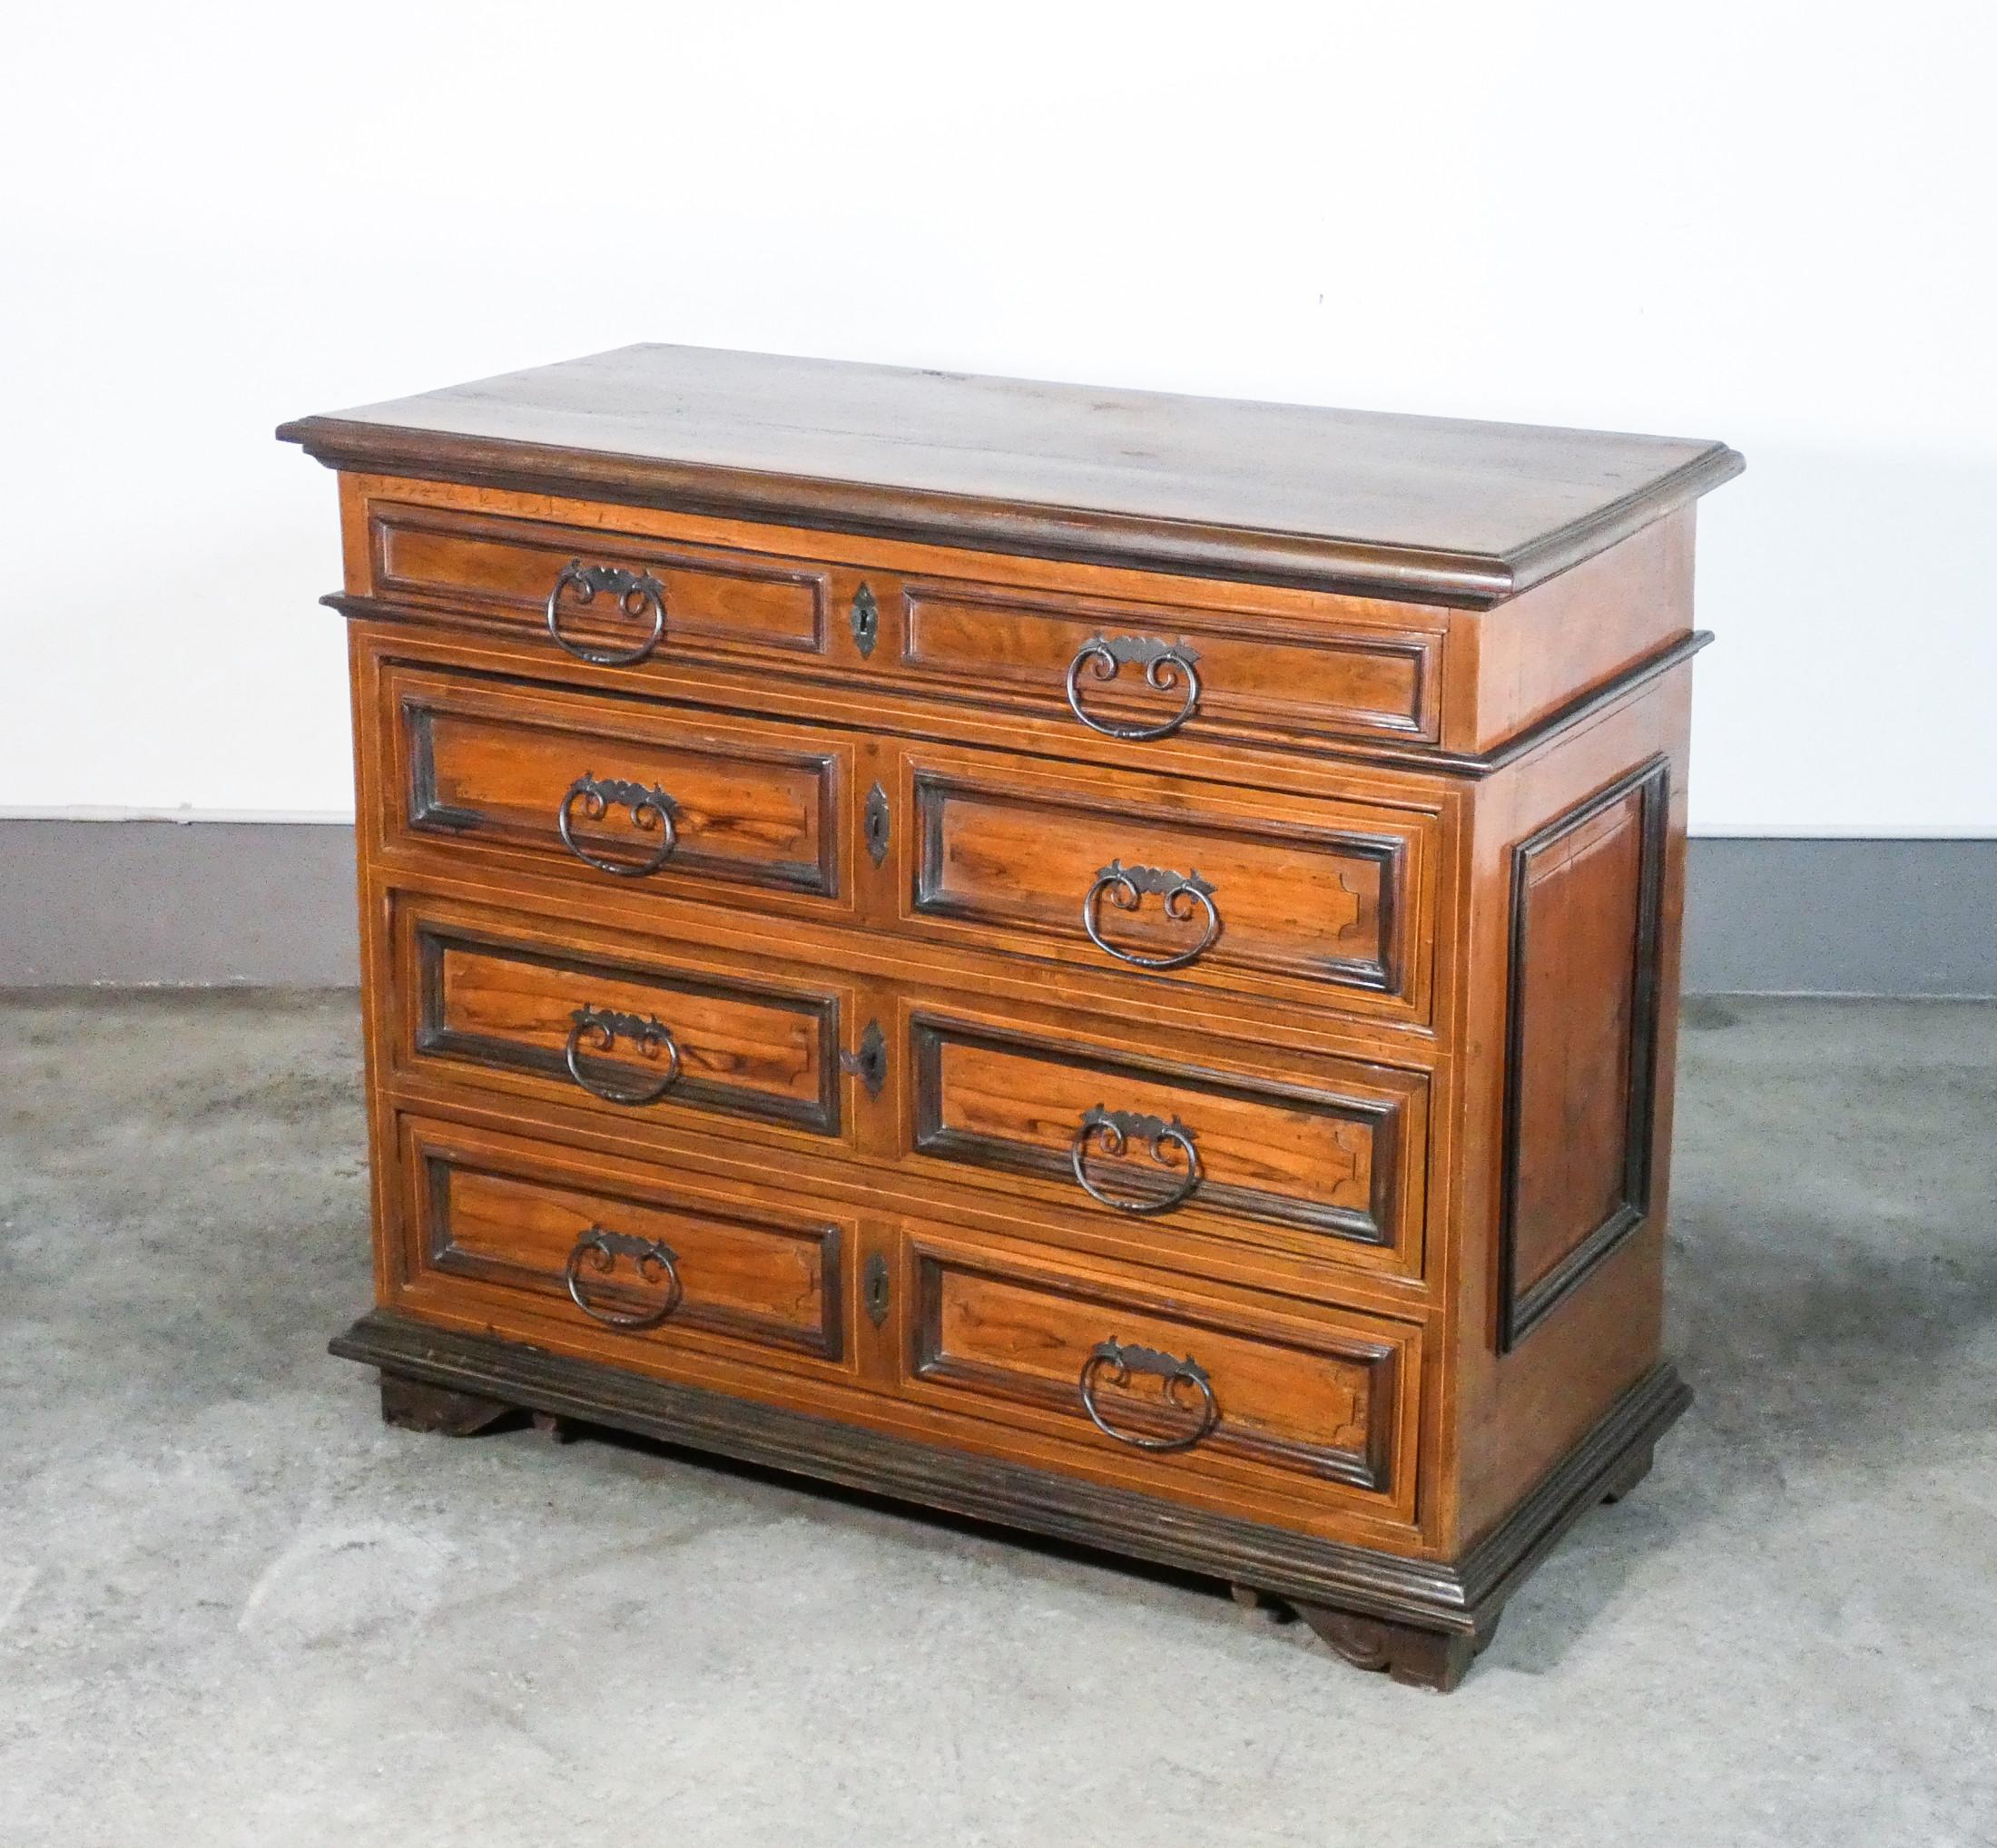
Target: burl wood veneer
[1103,961]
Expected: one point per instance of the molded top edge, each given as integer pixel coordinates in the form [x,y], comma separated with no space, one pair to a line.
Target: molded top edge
[1430,509]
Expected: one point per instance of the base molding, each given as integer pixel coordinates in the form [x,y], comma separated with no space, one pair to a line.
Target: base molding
[1323,1580]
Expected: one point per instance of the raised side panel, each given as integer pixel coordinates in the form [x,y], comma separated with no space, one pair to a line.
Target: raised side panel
[1592,813]
[1586,895]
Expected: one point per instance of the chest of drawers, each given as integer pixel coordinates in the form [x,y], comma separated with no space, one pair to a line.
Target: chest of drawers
[1102,961]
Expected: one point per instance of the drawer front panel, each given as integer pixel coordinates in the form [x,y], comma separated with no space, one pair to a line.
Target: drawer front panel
[714,601]
[617,792]
[1128,1372]
[617,1250]
[1328,1164]
[1219,676]
[1175,880]
[614,1029]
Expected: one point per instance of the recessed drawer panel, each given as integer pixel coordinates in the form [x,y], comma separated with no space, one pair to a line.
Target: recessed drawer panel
[1324,1160]
[1168,1382]
[612,1025]
[620,1253]
[1173,880]
[615,792]
[1138,672]
[648,599]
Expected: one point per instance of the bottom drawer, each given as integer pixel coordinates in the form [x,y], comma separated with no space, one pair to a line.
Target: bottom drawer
[632,1254]
[1145,1375]
[860,1304]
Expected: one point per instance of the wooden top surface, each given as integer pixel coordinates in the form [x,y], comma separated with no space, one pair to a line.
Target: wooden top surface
[1430,508]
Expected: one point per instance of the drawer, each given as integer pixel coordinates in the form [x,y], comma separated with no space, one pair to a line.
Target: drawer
[1155,1384]
[594,1021]
[1143,670]
[1316,1157]
[614,1252]
[700,600]
[615,791]
[1329,903]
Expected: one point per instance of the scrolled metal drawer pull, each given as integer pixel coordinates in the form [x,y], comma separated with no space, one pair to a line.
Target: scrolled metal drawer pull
[1167,668]
[1184,894]
[1123,1359]
[634,591]
[655,1262]
[596,795]
[1115,1128]
[604,1024]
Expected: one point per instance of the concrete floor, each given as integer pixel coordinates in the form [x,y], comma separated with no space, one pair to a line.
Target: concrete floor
[234,1608]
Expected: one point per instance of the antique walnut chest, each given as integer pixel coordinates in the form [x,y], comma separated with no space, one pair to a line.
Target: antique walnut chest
[1103,961]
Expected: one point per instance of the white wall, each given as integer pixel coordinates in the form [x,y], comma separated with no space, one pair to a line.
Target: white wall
[1769,223]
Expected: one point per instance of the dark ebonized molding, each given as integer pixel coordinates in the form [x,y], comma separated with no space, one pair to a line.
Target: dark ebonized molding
[1521,1307]
[426,812]
[1328,747]
[1462,1597]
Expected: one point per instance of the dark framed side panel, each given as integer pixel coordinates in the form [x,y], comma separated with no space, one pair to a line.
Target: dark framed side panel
[1581,1038]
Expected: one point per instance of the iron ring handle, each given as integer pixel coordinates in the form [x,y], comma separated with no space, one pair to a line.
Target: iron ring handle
[1166,666]
[1124,1360]
[1127,889]
[596,798]
[653,1261]
[1115,1128]
[633,591]
[604,1027]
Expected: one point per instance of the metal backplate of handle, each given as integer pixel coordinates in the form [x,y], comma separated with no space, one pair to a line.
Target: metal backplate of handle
[636,592]
[603,1027]
[1114,1130]
[652,812]
[656,1262]
[1185,894]
[1186,1389]
[1167,668]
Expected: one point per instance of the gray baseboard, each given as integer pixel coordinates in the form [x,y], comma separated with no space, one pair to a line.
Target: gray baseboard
[271,903]
[195,903]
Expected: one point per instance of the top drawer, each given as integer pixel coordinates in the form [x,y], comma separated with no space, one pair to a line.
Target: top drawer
[608,592]
[1139,670]
[1196,662]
